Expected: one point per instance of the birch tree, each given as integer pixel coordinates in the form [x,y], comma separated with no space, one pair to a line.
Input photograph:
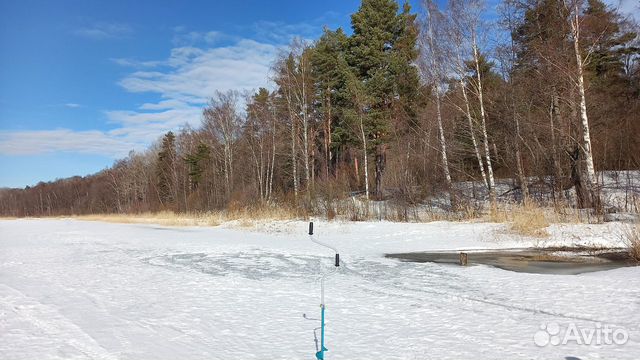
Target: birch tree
[260,134]
[508,57]
[285,70]
[296,85]
[467,15]
[303,91]
[434,57]
[223,123]
[573,7]
[472,15]
[456,37]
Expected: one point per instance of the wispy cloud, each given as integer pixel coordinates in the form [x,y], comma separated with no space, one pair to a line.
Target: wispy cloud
[183,38]
[44,141]
[183,82]
[194,74]
[135,63]
[279,32]
[199,64]
[104,30]
[135,131]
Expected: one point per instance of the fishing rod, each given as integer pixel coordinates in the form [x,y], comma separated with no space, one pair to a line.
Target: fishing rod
[321,349]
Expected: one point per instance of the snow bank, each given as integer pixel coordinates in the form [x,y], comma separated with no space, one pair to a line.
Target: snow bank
[90,290]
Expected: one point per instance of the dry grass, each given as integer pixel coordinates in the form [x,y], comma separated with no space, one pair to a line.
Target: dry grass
[569,215]
[501,215]
[167,218]
[543,215]
[530,220]
[244,217]
[631,237]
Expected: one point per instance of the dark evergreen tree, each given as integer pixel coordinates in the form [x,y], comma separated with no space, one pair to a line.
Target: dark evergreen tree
[166,171]
[381,52]
[197,163]
[330,72]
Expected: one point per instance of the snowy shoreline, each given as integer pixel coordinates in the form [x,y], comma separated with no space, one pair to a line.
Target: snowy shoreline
[81,289]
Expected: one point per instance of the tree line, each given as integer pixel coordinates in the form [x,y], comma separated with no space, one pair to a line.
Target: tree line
[406,107]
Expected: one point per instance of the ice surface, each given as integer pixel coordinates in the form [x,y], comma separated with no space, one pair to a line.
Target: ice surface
[89,290]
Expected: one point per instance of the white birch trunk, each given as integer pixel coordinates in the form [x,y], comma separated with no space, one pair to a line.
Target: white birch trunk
[293,158]
[443,144]
[305,121]
[476,59]
[436,74]
[590,174]
[292,118]
[472,133]
[273,156]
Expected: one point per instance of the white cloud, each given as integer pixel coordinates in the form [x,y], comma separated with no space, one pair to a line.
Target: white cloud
[184,82]
[195,74]
[135,63]
[283,33]
[43,141]
[163,105]
[146,127]
[181,38]
[104,30]
[72,105]
[200,64]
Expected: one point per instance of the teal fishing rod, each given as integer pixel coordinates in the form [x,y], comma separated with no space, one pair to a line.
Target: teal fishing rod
[321,349]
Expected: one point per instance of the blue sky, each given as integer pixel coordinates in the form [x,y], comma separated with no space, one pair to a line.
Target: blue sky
[84,82]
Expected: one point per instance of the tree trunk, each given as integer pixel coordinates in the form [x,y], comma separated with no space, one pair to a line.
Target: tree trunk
[443,148]
[492,190]
[472,133]
[294,160]
[554,115]
[437,75]
[524,186]
[589,170]
[305,145]
[327,136]
[380,152]
[273,161]
[365,159]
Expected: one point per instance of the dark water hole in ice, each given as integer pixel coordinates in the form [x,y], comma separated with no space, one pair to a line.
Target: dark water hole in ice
[559,260]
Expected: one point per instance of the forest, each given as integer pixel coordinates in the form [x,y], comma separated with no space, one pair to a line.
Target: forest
[433,105]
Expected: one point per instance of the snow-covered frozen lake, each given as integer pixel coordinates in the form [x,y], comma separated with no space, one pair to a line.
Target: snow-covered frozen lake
[89,290]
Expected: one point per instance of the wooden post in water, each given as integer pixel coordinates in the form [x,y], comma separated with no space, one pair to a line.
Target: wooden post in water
[464,258]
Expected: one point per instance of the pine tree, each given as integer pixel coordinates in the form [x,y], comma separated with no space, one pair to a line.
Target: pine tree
[329,69]
[381,51]
[166,170]
[197,163]
[404,71]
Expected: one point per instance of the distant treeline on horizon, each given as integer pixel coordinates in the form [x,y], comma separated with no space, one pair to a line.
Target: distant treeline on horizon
[403,108]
